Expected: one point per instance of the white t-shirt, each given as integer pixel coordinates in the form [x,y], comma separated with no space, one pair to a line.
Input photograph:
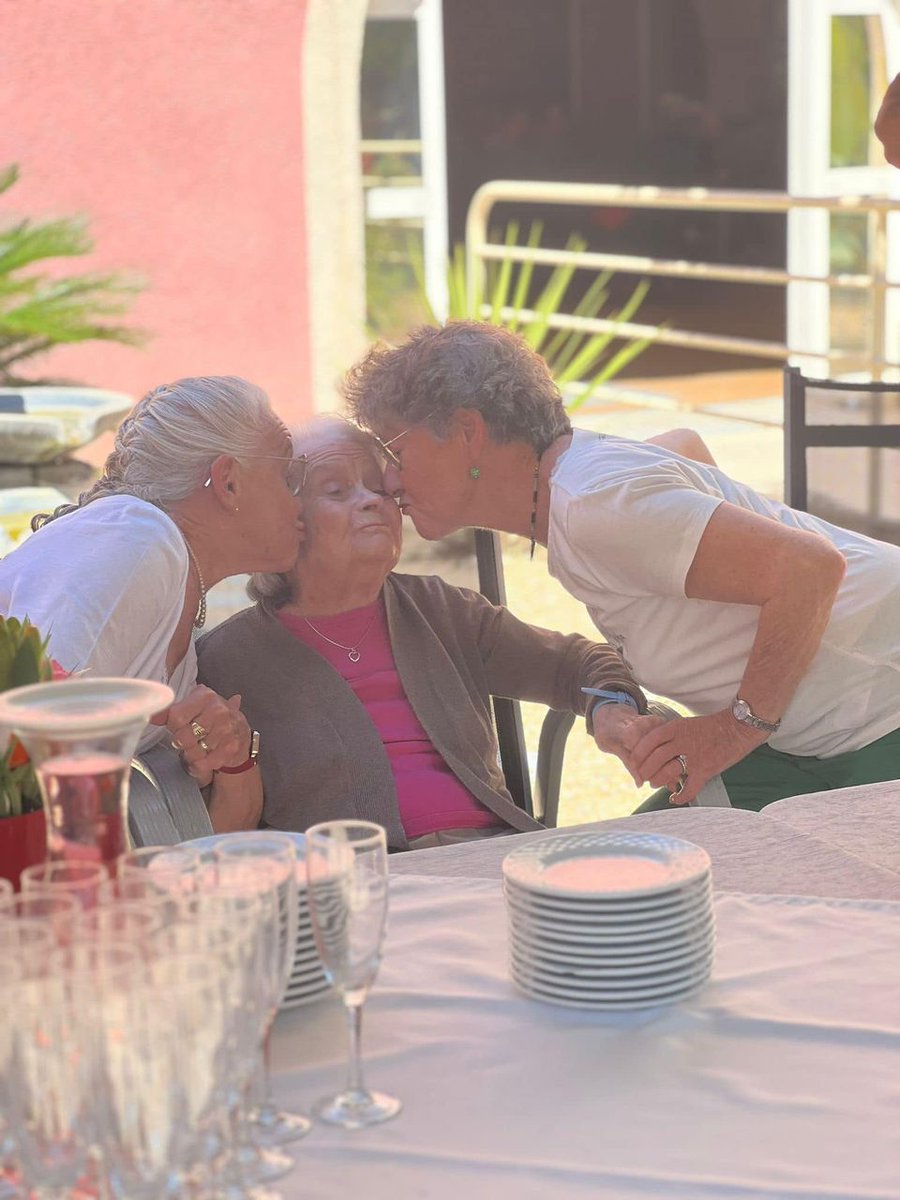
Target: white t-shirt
[625,522]
[106,584]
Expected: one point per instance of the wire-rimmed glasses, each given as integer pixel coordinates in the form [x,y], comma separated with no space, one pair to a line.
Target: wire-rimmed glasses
[390,455]
[294,476]
[346,864]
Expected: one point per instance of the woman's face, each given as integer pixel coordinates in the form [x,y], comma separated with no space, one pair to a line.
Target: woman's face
[267,507]
[349,519]
[428,476]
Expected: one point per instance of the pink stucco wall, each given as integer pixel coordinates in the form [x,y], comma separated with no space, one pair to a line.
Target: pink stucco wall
[176,126]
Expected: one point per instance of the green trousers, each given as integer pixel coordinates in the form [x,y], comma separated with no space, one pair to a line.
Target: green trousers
[766,775]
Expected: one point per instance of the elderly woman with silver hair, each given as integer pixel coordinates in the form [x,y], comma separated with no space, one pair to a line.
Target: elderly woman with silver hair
[201,484]
[779,631]
[373,689]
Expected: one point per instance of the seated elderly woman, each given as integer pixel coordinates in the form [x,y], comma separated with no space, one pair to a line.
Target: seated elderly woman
[372,689]
[201,484]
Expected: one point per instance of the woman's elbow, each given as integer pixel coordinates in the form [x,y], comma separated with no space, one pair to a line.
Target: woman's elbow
[824,565]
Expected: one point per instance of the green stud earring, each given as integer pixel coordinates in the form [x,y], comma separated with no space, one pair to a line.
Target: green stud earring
[475,472]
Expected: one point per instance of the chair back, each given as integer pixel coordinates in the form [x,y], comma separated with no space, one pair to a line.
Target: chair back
[165,805]
[853,481]
[507,713]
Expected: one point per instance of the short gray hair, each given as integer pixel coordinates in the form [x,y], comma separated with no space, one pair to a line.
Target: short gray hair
[272,589]
[463,364]
[166,446]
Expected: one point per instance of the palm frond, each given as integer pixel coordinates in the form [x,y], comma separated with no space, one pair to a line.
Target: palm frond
[40,310]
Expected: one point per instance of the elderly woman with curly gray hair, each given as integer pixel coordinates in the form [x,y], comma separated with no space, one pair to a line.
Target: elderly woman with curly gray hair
[201,484]
[779,631]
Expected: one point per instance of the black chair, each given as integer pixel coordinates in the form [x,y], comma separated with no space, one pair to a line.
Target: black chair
[542,801]
[840,417]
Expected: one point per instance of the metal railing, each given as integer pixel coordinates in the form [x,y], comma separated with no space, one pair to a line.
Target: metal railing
[480,250]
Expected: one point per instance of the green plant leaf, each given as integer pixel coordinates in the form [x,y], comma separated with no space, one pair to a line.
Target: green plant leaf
[40,309]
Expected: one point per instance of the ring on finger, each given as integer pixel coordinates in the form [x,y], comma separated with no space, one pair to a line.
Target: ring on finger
[198,731]
[203,746]
[682,778]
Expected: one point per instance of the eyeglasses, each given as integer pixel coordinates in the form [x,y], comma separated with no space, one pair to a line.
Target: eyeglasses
[295,476]
[385,447]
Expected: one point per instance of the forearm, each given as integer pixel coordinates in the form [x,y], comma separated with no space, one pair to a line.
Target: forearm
[235,801]
[789,633]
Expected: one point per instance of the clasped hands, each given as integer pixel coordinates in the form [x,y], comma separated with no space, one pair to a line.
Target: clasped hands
[208,731]
[686,751]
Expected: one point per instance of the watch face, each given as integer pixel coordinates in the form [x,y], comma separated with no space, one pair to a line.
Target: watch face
[741,709]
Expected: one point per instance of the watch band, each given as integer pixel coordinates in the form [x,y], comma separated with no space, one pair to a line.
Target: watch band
[605,696]
[249,761]
[741,711]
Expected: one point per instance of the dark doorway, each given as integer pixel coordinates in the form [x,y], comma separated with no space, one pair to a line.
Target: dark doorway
[677,93]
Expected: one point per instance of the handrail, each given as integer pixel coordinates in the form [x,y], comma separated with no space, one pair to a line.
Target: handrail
[479,250]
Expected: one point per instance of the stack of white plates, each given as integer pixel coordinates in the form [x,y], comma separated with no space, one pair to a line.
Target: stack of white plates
[307,981]
[609,920]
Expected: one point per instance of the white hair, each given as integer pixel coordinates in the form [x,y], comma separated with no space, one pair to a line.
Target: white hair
[166,446]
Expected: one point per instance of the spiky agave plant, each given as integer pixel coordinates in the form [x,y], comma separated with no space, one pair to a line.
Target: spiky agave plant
[578,359]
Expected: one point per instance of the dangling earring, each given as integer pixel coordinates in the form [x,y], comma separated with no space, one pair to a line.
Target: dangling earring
[474,472]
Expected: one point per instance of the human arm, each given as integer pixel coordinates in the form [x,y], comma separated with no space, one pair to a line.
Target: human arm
[234,801]
[527,662]
[792,576]
[887,123]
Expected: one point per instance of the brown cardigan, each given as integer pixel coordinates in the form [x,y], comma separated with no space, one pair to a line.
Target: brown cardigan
[321,756]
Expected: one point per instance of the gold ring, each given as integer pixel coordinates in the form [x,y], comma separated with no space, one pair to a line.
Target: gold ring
[198,731]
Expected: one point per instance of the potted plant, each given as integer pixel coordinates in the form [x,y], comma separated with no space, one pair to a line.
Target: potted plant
[23,840]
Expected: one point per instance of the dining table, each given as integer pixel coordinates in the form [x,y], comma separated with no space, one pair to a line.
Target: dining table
[779,1079]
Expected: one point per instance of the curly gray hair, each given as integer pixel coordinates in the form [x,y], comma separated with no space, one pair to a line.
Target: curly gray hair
[463,364]
[165,447]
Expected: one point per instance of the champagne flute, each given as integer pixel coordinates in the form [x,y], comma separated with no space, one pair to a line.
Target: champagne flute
[346,863]
[270,1126]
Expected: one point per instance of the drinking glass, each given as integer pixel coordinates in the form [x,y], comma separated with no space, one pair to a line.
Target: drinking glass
[270,1126]
[346,863]
[240,901]
[80,880]
[54,909]
[53,1075]
[80,734]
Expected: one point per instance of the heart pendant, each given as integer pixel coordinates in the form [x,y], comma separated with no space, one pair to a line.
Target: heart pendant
[353,655]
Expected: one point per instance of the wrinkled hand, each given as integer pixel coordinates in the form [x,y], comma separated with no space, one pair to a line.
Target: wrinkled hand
[709,745]
[225,733]
[618,730]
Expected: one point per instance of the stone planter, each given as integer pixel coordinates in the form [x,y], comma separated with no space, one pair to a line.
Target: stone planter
[23,841]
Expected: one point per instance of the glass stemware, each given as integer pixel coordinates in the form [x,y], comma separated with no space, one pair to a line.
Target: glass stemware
[81,880]
[270,1126]
[346,863]
[80,734]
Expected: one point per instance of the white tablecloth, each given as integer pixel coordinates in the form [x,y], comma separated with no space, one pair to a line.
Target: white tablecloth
[862,820]
[750,852]
[781,1079]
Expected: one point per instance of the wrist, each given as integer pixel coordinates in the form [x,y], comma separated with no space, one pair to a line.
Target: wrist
[249,762]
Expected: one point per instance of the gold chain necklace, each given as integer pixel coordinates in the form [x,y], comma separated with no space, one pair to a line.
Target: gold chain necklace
[200,618]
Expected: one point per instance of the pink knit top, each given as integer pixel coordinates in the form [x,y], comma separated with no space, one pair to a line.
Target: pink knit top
[429,795]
